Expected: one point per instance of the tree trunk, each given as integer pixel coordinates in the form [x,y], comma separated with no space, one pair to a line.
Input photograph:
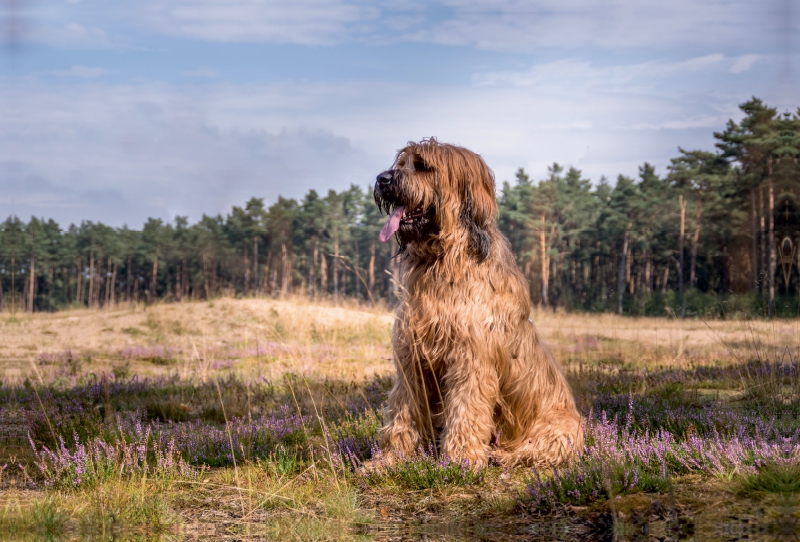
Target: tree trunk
[214,282]
[755,242]
[184,280]
[336,263]
[372,268]
[323,274]
[255,265]
[128,284]
[91,279]
[622,266]
[13,285]
[79,282]
[571,268]
[682,203]
[284,271]
[113,283]
[154,280]
[109,287]
[50,281]
[648,280]
[545,264]
[604,273]
[274,280]
[32,284]
[763,274]
[178,283]
[312,270]
[628,273]
[205,276]
[269,287]
[771,242]
[696,240]
[302,269]
[246,273]
[357,259]
[99,283]
[23,299]
[343,281]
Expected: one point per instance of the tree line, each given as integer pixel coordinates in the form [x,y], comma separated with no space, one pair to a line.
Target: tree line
[717,232]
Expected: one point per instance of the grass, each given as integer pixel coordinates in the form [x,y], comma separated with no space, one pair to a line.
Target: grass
[783,478]
[260,416]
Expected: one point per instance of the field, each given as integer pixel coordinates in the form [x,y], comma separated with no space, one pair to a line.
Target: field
[255,418]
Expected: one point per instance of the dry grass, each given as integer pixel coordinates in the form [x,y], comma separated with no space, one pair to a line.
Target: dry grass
[250,338]
[659,341]
[255,338]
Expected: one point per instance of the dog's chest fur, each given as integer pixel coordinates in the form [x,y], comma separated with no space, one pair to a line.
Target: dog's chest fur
[443,315]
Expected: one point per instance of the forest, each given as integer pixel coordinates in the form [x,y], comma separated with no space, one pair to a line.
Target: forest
[714,236]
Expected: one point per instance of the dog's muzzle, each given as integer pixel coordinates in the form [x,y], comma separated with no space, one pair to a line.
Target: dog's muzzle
[384,179]
[385,192]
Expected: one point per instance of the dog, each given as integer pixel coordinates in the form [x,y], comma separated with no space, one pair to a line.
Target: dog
[472,375]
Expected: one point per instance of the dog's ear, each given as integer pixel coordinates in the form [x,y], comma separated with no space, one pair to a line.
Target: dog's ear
[479,208]
[479,242]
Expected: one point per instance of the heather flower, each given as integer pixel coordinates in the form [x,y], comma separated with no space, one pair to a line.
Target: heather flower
[617,460]
[97,460]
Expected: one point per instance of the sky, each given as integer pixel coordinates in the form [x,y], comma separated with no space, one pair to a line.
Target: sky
[119,110]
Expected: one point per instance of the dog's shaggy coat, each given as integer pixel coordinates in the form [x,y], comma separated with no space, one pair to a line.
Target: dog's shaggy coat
[470,366]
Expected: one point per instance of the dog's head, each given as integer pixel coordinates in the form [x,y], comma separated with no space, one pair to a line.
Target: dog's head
[438,194]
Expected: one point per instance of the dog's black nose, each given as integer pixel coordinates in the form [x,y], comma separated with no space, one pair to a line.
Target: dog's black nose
[385,178]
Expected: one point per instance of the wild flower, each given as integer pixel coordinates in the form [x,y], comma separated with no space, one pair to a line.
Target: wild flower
[618,460]
[354,434]
[206,444]
[97,460]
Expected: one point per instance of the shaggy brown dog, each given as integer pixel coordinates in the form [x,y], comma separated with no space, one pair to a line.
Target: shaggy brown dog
[469,362]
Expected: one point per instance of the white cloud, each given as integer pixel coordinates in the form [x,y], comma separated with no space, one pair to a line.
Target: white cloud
[744,63]
[81,71]
[520,25]
[711,122]
[566,73]
[309,22]
[152,150]
[121,154]
[500,25]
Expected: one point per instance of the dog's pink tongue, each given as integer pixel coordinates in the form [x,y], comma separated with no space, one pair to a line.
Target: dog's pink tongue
[392,223]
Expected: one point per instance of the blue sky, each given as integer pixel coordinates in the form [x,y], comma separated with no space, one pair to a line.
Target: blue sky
[115,111]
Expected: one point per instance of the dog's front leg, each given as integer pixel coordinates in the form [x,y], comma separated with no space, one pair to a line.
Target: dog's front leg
[401,433]
[471,392]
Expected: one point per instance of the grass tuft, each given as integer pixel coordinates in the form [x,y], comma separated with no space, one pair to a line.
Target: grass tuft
[775,477]
[422,470]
